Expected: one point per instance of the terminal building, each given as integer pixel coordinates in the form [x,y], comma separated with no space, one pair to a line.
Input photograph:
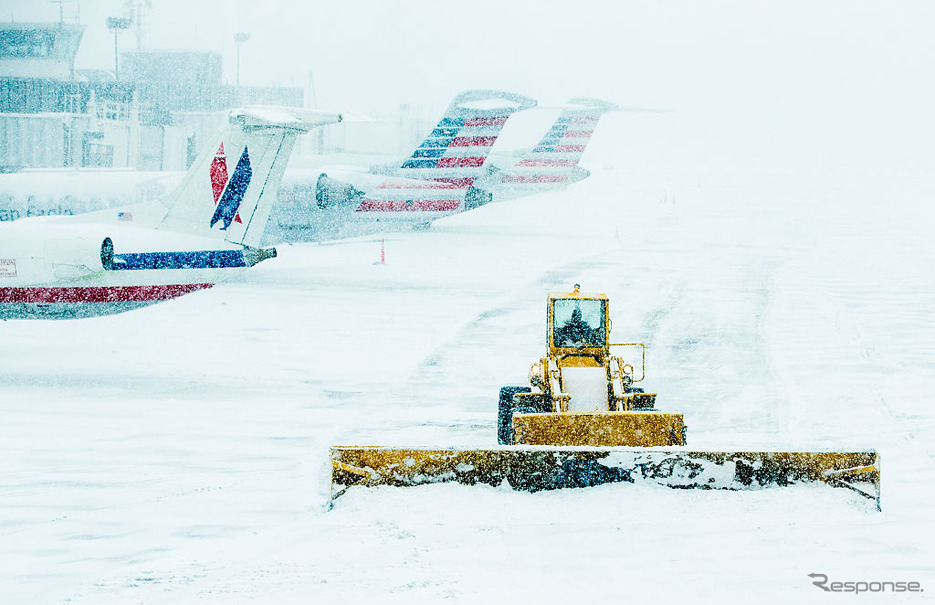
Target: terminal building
[155,117]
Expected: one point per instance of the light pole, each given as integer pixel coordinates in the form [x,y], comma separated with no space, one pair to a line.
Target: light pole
[117,24]
[240,38]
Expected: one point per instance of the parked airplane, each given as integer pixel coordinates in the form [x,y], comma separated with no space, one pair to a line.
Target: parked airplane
[324,202]
[70,191]
[553,162]
[209,228]
[449,172]
[435,181]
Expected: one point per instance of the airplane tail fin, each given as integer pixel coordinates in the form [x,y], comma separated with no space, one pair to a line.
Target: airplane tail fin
[565,142]
[456,149]
[229,190]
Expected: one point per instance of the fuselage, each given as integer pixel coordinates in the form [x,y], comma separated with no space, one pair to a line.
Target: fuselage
[53,270]
[208,228]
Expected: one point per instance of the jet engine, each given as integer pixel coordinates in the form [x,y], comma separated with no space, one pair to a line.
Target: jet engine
[475,198]
[332,193]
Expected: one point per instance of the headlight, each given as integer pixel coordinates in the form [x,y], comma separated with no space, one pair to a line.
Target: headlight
[627,369]
[535,375]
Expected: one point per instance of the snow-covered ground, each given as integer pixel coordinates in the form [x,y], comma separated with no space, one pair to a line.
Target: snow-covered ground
[180,453]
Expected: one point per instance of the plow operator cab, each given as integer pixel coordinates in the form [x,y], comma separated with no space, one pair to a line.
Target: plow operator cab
[581,393]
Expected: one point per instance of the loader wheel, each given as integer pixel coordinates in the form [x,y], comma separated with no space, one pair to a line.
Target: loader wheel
[505,414]
[534,405]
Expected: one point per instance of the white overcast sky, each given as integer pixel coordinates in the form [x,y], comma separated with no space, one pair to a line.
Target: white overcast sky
[800,81]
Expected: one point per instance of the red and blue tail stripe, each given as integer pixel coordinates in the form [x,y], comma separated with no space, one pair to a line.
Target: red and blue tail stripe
[567,134]
[457,148]
[565,142]
[438,177]
[233,192]
[553,162]
[468,145]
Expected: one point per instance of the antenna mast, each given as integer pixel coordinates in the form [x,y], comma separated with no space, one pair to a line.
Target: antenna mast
[138,10]
[61,9]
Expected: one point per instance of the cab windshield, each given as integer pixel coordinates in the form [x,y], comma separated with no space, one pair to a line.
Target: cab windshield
[578,323]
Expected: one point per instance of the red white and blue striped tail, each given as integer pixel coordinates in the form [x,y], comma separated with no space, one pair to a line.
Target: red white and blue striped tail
[456,149]
[235,206]
[554,159]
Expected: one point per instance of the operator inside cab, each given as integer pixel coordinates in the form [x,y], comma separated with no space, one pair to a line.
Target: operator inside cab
[578,323]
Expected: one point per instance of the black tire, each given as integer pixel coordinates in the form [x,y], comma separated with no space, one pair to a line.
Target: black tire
[534,405]
[505,414]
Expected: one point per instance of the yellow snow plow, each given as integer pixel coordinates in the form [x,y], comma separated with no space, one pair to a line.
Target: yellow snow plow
[583,422]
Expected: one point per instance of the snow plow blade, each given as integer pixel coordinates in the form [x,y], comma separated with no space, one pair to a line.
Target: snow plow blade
[534,468]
